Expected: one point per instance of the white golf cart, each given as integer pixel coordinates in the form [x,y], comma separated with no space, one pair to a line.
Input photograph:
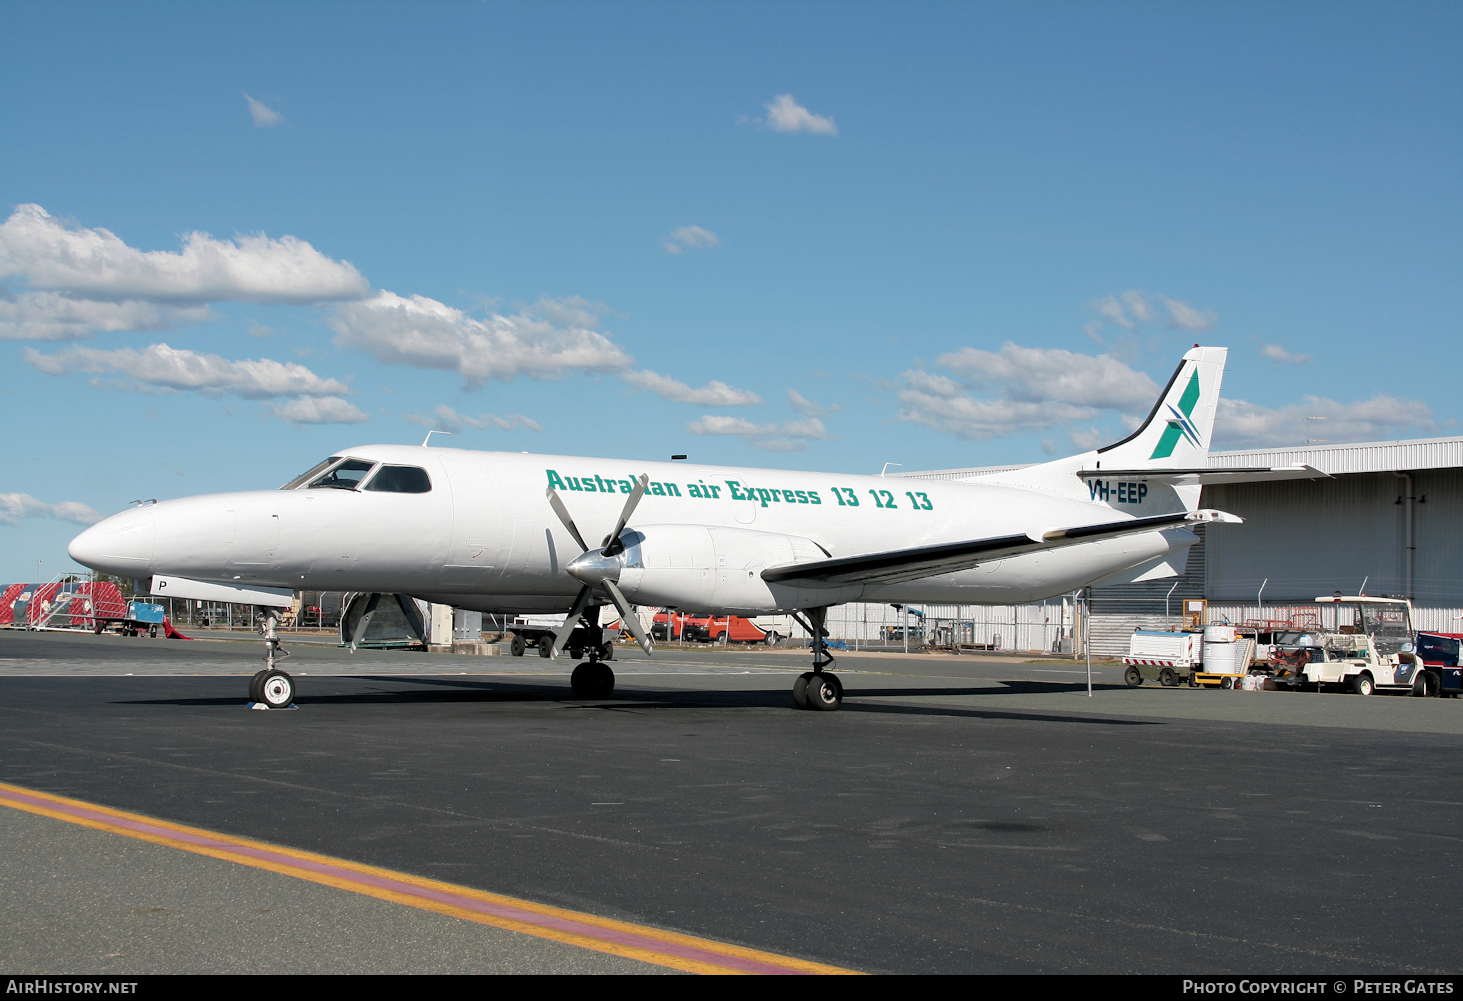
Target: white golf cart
[1368,644]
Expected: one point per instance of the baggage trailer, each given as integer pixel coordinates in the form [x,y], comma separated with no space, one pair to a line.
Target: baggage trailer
[1165,657]
[538,631]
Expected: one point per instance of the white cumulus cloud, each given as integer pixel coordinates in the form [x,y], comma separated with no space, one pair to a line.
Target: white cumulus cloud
[14,507]
[547,342]
[447,419]
[160,367]
[792,436]
[1240,424]
[1033,389]
[318,410]
[264,116]
[1278,354]
[785,115]
[95,264]
[714,394]
[807,407]
[50,316]
[690,238]
[1132,308]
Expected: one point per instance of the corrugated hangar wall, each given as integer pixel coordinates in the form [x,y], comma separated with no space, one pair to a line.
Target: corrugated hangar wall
[1313,537]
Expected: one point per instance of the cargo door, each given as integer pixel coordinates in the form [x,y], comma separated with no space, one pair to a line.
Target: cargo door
[474,555]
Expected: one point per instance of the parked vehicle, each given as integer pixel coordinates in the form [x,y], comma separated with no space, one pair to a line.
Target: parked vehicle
[1375,652]
[538,631]
[1442,654]
[1166,657]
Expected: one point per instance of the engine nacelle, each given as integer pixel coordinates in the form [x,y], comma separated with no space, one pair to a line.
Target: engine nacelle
[699,568]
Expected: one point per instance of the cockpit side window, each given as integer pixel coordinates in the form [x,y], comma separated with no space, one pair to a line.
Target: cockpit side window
[401,480]
[346,476]
[314,471]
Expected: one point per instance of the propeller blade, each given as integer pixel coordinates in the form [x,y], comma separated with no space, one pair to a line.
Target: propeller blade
[612,541]
[581,602]
[563,513]
[628,617]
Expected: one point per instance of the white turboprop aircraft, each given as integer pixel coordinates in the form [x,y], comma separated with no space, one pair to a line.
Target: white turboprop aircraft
[497,532]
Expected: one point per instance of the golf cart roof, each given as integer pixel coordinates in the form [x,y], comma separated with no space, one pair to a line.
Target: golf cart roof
[1365,599]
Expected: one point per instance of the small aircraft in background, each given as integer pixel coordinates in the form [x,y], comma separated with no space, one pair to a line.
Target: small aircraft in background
[500,532]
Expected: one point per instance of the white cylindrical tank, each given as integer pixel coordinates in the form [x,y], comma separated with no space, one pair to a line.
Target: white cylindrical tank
[1221,652]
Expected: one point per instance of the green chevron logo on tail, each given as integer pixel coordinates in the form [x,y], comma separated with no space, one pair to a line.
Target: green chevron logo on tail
[1179,424]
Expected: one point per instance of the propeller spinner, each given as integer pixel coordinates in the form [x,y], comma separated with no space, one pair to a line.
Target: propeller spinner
[595,568]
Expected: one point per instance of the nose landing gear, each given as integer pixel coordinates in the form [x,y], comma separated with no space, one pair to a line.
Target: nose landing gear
[271,688]
[593,679]
[819,688]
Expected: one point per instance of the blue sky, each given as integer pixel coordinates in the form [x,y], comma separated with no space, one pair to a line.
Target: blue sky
[961,234]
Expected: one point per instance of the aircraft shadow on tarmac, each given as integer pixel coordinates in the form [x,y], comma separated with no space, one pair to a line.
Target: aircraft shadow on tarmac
[441,691]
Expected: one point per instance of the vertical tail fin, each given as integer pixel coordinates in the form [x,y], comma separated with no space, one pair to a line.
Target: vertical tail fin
[1178,430]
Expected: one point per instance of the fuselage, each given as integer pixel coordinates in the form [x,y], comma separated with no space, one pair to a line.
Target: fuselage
[483,536]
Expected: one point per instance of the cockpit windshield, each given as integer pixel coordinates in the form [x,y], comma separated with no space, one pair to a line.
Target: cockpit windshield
[314,471]
[346,476]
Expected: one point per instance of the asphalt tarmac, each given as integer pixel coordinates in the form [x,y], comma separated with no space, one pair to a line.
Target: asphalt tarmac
[959,815]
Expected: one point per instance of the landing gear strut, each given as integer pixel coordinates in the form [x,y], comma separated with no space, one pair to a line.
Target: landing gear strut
[819,688]
[271,688]
[593,679]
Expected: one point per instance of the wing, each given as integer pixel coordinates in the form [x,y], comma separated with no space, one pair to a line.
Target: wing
[947,557]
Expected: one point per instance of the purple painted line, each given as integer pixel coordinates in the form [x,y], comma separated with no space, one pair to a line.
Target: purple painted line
[522,915]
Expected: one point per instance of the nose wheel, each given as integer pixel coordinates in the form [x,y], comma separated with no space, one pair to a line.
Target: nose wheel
[271,688]
[594,680]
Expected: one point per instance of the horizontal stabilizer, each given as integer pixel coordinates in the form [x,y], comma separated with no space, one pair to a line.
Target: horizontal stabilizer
[1184,477]
[927,561]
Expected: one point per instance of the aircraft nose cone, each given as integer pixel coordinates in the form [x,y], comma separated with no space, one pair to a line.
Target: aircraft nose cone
[594,567]
[121,545]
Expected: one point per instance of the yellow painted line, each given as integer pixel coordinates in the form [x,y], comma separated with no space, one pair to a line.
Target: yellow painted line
[588,931]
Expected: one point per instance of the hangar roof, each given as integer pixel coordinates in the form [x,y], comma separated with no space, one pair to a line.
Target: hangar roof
[1348,457]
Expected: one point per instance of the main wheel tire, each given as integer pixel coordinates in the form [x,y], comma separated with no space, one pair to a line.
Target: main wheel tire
[256,693]
[276,689]
[1362,684]
[800,690]
[825,692]
[1133,677]
[545,646]
[1167,678]
[516,646]
[607,652]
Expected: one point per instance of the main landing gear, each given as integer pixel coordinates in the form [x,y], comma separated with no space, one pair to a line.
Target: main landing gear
[594,679]
[271,688]
[819,688]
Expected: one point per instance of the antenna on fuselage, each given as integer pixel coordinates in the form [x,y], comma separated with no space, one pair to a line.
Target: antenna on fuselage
[429,436]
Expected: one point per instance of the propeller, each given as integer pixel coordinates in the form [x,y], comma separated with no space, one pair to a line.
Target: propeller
[602,561]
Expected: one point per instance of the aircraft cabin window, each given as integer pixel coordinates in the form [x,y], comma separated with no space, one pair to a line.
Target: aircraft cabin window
[401,480]
[346,476]
[314,471]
